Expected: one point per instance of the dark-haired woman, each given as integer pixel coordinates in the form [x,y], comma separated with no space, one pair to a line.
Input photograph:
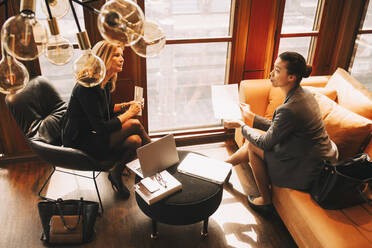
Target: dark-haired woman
[290,152]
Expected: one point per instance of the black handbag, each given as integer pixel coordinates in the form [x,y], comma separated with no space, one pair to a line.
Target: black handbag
[342,185]
[68,221]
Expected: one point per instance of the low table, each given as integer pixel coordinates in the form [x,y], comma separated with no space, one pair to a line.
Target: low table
[197,200]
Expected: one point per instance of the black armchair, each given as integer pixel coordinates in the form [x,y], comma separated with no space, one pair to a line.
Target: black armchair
[38,111]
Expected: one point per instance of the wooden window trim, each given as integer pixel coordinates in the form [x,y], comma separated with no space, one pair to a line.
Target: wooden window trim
[305,34]
[199,40]
[367,31]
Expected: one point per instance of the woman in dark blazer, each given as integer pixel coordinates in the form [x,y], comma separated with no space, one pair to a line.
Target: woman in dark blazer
[290,152]
[100,128]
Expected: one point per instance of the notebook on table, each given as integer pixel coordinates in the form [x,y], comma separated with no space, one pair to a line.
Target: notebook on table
[206,168]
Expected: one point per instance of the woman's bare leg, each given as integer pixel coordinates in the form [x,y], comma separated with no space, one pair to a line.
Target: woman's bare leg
[241,155]
[257,164]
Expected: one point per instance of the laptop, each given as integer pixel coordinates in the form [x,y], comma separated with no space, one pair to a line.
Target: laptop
[155,157]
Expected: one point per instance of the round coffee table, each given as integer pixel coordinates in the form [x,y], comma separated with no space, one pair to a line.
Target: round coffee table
[197,200]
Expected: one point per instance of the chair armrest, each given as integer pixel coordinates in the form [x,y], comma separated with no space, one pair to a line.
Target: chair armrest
[68,158]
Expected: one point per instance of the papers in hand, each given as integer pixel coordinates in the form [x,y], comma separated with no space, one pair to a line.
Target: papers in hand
[205,168]
[225,101]
[158,189]
[138,96]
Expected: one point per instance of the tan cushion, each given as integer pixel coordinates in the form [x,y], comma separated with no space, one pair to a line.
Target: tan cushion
[312,226]
[276,97]
[351,93]
[347,129]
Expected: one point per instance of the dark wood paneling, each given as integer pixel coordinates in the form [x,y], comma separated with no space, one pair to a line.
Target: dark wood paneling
[261,13]
[253,74]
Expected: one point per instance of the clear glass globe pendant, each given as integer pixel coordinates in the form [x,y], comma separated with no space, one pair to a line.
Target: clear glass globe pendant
[23,36]
[59,8]
[152,42]
[59,51]
[89,70]
[121,21]
[13,74]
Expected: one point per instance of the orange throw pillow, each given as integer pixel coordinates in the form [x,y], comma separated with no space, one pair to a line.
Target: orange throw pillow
[347,129]
[276,97]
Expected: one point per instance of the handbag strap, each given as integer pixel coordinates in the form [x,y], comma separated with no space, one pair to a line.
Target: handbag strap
[62,216]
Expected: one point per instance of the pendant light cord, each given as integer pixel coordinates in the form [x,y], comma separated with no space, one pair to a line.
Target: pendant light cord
[75,16]
[48,8]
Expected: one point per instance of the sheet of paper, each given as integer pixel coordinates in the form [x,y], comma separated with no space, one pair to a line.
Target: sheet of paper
[225,101]
[138,96]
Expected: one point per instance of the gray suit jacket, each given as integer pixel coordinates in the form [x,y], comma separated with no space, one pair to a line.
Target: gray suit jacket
[295,142]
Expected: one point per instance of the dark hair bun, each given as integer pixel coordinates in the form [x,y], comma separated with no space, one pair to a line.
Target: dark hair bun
[308,71]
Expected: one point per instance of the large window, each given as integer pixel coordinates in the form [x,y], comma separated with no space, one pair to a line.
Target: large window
[179,79]
[300,27]
[361,62]
[61,76]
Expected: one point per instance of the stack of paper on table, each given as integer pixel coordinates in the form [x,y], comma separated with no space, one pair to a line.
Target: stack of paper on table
[172,186]
[205,168]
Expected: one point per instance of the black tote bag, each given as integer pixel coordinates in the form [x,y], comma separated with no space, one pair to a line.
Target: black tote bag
[85,213]
[342,185]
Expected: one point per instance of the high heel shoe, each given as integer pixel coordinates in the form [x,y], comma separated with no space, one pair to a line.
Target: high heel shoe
[118,186]
[263,209]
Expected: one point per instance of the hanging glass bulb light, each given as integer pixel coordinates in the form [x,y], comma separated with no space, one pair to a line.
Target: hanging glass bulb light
[59,51]
[59,8]
[121,21]
[29,35]
[152,42]
[89,70]
[13,74]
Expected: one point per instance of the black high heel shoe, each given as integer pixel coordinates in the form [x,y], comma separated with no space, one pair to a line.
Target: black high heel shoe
[263,209]
[118,186]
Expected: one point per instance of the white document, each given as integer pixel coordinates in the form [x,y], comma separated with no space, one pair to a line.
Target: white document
[225,101]
[138,96]
[206,168]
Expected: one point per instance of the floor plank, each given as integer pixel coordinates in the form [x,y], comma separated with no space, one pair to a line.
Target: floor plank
[123,224]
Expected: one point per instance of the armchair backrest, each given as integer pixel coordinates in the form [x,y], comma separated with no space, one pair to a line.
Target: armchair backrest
[38,110]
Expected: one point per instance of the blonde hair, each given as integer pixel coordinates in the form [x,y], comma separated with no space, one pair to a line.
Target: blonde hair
[105,51]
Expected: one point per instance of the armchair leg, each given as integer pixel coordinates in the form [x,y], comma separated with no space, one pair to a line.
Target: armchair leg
[99,196]
[45,183]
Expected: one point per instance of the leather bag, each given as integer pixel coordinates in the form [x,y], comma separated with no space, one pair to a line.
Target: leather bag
[342,185]
[68,221]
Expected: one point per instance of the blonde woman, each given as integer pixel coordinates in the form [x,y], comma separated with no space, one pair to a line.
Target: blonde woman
[100,128]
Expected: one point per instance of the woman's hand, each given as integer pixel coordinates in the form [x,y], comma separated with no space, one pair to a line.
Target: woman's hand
[134,108]
[230,124]
[247,114]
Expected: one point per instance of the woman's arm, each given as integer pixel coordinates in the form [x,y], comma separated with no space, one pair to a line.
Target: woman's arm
[283,124]
[93,105]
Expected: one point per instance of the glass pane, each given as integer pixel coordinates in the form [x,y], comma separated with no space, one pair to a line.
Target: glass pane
[60,76]
[190,18]
[368,19]
[299,16]
[179,85]
[362,64]
[66,25]
[295,44]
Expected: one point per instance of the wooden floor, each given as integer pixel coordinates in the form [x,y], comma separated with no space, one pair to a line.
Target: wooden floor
[123,224]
